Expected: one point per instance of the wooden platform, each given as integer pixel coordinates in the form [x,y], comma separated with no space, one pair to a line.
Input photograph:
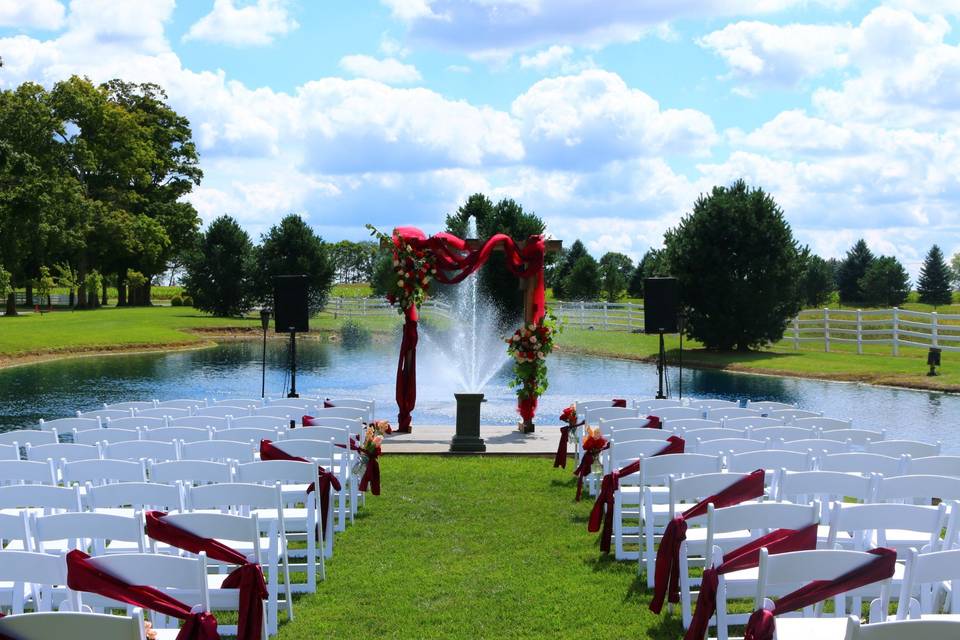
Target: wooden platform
[435,439]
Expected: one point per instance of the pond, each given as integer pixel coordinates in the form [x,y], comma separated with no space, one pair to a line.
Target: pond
[232,369]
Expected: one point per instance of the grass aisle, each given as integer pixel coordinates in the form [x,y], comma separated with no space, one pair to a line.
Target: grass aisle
[475,547]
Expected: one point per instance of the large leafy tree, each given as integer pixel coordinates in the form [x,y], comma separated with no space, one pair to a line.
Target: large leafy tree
[886,283]
[292,248]
[564,265]
[738,267]
[817,283]
[615,271]
[507,216]
[220,273]
[933,286]
[583,282]
[651,265]
[851,271]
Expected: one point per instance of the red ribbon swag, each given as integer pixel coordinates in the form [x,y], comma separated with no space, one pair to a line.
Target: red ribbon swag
[455,261]
[82,575]
[762,624]
[603,506]
[269,451]
[248,577]
[666,579]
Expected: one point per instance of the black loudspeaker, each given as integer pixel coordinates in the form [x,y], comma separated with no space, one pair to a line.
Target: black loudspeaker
[661,298]
[290,307]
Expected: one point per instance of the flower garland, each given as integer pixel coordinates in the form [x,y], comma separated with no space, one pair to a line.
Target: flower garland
[382,427]
[529,347]
[414,269]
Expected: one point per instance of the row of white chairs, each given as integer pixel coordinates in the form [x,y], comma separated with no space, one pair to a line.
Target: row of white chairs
[220,417]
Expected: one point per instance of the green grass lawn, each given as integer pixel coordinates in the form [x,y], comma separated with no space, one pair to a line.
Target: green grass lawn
[475,547]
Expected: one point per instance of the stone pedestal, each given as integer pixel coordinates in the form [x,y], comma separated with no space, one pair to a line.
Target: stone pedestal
[467,438]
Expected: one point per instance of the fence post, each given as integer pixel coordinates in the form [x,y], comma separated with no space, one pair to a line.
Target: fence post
[896,331]
[859,333]
[606,321]
[363,307]
[933,329]
[629,316]
[826,329]
[796,332]
[582,319]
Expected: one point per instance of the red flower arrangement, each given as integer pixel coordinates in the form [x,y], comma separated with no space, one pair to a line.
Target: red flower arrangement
[413,268]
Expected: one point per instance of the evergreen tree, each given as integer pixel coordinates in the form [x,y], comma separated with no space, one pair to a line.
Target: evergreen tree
[220,273]
[570,257]
[934,282]
[738,267]
[651,265]
[615,271]
[886,283]
[583,281]
[292,248]
[851,272]
[818,282]
[955,270]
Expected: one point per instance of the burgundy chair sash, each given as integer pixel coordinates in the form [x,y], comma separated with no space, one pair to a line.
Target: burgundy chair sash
[653,422]
[603,506]
[269,451]
[3,636]
[763,623]
[560,460]
[328,405]
[619,402]
[247,578]
[82,575]
[666,579]
[371,477]
[744,557]
[583,469]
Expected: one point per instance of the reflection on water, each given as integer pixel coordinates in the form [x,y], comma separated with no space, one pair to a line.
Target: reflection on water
[232,369]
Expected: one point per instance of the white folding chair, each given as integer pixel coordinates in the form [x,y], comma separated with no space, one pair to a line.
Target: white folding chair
[726,446]
[751,422]
[823,424]
[39,498]
[862,463]
[103,414]
[766,406]
[99,472]
[856,437]
[714,434]
[916,489]
[324,454]
[200,422]
[726,413]
[96,436]
[650,406]
[629,434]
[236,402]
[131,404]
[137,422]
[935,466]
[68,425]
[926,575]
[9,452]
[594,416]
[679,425]
[217,451]
[352,413]
[190,472]
[348,498]
[127,498]
[180,404]
[785,434]
[247,434]
[95,533]
[224,411]
[815,446]
[23,437]
[74,625]
[714,403]
[789,415]
[142,450]
[279,411]
[900,629]
[27,471]
[897,448]
[354,403]
[181,434]
[15,528]
[769,459]
[667,414]
[167,413]
[826,488]
[62,451]
[272,423]
[31,579]
[626,423]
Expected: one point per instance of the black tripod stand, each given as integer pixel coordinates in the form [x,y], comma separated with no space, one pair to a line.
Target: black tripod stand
[661,368]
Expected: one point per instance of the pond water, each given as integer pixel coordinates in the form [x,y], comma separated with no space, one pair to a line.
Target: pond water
[232,369]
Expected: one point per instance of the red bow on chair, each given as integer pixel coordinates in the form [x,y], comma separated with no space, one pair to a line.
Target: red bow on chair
[269,451]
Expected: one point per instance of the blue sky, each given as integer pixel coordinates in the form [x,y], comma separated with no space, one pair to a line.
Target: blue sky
[606,118]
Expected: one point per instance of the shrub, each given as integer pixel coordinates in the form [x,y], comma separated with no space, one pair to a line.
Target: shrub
[187,301]
[176,301]
[352,334]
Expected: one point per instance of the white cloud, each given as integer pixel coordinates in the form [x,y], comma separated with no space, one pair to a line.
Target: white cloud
[794,131]
[31,14]
[555,58]
[386,70]
[252,25]
[594,117]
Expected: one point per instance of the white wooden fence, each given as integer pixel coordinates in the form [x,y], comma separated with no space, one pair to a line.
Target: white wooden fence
[895,328]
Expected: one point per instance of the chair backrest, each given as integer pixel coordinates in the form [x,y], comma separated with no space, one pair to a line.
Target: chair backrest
[43,570]
[79,527]
[180,404]
[303,403]
[725,413]
[142,450]
[163,412]
[789,415]
[897,448]
[220,526]
[103,471]
[770,459]
[247,434]
[238,497]
[184,578]
[9,452]
[280,411]
[236,402]
[650,406]
[766,406]
[759,517]
[916,487]
[622,453]
[678,425]
[353,426]
[594,416]
[319,450]
[689,490]
[131,404]
[190,471]
[658,470]
[586,405]
[23,437]
[714,433]
[782,433]
[714,403]
[224,411]
[825,487]
[677,413]
[824,424]
[780,572]
[27,471]
[48,498]
[15,526]
[355,403]
[929,629]
[63,451]
[726,446]
[628,434]
[199,422]
[138,495]
[751,422]
[326,434]
[856,437]
[626,423]
[183,434]
[66,425]
[925,572]
[936,465]
[860,520]
[271,471]
[95,436]
[103,414]
[858,462]
[261,422]
[136,422]
[74,625]
[817,447]
[217,450]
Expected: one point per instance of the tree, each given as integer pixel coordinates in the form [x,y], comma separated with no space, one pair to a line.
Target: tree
[383,277]
[583,281]
[497,282]
[886,283]
[955,269]
[220,273]
[44,284]
[292,248]
[615,271]
[560,272]
[5,287]
[738,267]
[851,272]
[934,282]
[817,282]
[651,265]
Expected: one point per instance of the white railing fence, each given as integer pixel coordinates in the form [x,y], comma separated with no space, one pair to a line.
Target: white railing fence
[829,327]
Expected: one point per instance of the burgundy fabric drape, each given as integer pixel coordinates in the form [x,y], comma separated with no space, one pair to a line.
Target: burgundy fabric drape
[763,623]
[82,575]
[247,578]
[455,261]
[666,579]
[583,470]
[560,460]
[744,557]
[603,506]
[269,451]
[653,422]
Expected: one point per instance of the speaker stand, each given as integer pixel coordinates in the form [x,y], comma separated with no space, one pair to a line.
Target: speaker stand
[661,368]
[293,364]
